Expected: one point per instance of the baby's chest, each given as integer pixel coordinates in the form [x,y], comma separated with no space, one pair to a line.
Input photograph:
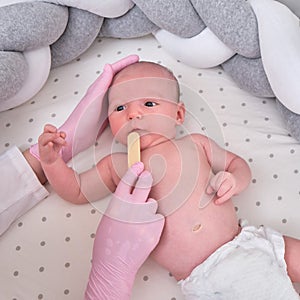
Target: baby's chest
[176,171]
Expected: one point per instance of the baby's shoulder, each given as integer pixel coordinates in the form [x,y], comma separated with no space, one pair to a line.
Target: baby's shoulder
[114,163]
[196,138]
[112,167]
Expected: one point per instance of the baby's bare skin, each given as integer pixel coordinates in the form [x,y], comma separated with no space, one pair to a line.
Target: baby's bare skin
[191,232]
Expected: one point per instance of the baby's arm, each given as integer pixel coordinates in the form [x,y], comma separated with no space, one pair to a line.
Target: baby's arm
[65,181]
[232,173]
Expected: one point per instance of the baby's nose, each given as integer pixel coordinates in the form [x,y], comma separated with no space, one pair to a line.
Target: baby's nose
[134,114]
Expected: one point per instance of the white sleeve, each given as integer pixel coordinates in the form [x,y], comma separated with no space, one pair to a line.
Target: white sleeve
[20,189]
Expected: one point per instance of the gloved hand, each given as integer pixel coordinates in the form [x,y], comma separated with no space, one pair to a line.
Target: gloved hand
[128,232]
[89,116]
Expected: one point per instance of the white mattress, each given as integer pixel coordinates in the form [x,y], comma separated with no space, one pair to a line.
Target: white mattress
[46,253]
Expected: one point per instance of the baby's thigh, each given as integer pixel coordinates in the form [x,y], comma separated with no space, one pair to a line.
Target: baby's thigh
[292,258]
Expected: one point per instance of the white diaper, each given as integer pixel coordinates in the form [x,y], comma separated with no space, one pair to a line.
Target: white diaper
[251,266]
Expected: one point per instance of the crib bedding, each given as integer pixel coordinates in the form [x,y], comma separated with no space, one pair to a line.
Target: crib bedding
[46,254]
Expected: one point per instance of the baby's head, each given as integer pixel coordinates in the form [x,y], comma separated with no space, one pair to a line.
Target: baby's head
[145,69]
[144,97]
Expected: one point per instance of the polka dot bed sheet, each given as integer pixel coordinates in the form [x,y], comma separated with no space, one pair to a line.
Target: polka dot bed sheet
[46,254]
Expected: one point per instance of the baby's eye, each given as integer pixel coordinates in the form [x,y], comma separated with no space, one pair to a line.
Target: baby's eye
[120,108]
[150,103]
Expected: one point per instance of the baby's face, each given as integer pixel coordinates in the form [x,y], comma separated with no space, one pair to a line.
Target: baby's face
[154,119]
[144,98]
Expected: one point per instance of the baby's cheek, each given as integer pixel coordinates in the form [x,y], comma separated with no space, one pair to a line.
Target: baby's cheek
[116,125]
[163,125]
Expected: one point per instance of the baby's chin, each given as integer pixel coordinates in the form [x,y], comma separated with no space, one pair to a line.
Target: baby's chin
[151,140]
[146,139]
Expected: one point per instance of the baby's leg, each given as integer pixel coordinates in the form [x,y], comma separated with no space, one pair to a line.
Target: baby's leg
[292,258]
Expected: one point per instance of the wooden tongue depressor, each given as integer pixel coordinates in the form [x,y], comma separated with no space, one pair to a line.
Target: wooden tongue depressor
[133,148]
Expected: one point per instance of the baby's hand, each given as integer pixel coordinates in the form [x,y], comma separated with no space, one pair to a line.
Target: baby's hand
[224,185]
[50,143]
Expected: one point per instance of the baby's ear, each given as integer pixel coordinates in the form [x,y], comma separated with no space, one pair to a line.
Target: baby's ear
[180,113]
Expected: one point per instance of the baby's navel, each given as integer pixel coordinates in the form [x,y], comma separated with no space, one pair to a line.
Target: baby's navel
[196,227]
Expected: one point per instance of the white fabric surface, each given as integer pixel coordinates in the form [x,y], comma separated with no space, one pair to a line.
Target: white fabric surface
[46,253]
[251,266]
[279,39]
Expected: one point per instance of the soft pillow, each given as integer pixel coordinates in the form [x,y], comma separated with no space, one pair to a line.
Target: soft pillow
[39,63]
[277,24]
[108,9]
[204,50]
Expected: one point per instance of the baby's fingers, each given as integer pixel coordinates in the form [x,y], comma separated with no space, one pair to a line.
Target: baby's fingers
[48,128]
[215,183]
[210,190]
[54,137]
[46,138]
[226,186]
[225,192]
[61,139]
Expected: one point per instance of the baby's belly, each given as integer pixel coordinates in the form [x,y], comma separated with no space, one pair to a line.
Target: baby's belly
[191,234]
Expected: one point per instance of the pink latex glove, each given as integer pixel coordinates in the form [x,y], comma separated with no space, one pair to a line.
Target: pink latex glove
[128,232]
[89,117]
